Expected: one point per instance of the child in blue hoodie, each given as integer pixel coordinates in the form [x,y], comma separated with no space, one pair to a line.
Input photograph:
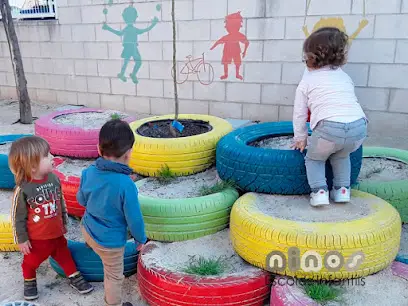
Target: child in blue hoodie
[111,200]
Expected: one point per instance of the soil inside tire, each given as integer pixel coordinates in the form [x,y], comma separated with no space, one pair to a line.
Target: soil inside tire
[87,120]
[297,208]
[161,128]
[382,170]
[5,148]
[179,187]
[74,167]
[273,142]
[176,256]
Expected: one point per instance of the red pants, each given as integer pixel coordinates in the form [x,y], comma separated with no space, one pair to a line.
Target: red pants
[42,249]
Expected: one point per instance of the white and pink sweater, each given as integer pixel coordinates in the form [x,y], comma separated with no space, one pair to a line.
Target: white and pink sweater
[329,94]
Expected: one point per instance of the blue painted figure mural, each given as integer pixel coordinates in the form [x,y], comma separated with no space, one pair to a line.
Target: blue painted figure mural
[130,41]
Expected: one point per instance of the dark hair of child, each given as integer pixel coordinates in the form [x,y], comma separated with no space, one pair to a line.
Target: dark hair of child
[326,47]
[115,138]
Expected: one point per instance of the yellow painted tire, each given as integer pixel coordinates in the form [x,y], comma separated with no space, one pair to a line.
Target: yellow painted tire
[255,235]
[183,155]
[6,235]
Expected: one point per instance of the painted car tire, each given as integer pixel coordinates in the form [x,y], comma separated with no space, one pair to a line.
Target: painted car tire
[90,264]
[255,235]
[6,177]
[69,186]
[19,303]
[288,295]
[6,235]
[188,218]
[269,170]
[68,140]
[394,192]
[183,155]
[162,287]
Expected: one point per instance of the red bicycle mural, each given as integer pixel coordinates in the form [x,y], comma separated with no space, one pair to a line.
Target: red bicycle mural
[198,66]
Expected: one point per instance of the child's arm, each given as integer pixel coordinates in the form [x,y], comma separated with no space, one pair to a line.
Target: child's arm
[19,215]
[300,114]
[245,41]
[108,28]
[133,214]
[80,194]
[218,42]
[154,22]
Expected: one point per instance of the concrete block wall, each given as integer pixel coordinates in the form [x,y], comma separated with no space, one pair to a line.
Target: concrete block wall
[73,60]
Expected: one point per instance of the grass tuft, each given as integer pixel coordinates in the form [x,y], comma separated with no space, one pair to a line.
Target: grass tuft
[218,187]
[321,292]
[206,267]
[115,116]
[165,175]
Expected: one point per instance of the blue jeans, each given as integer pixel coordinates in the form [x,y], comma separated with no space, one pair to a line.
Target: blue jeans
[333,141]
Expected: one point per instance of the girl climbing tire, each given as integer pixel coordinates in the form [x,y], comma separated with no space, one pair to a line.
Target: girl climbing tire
[90,264]
[359,245]
[188,218]
[183,155]
[6,235]
[6,177]
[71,140]
[162,287]
[394,192]
[269,170]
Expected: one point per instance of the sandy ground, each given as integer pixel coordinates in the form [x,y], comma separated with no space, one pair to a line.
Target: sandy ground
[74,167]
[55,291]
[89,120]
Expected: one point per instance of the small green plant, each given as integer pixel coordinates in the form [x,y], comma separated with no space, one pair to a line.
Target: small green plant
[115,116]
[205,267]
[322,292]
[165,175]
[218,187]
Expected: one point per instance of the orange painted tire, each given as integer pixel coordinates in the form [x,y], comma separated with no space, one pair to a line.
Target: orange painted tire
[69,186]
[162,287]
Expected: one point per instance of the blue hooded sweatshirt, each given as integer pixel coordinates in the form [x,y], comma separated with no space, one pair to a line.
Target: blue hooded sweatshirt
[111,201]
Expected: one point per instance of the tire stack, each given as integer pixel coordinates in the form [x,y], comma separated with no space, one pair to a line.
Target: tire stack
[255,234]
[176,220]
[81,143]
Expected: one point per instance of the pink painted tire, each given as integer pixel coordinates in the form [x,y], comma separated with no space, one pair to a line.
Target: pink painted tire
[68,140]
[283,293]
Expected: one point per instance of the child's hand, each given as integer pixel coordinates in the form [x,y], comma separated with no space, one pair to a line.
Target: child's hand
[25,247]
[299,145]
[140,247]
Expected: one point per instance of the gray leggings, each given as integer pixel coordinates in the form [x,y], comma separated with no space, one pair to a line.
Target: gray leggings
[334,141]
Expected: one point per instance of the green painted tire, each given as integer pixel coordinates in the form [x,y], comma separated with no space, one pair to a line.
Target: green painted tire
[394,192]
[184,219]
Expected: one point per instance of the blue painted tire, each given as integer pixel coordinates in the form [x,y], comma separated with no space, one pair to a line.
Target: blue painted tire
[90,264]
[6,177]
[269,170]
[402,258]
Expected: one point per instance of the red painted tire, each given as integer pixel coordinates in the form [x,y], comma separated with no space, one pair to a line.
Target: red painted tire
[287,293]
[161,287]
[68,140]
[69,186]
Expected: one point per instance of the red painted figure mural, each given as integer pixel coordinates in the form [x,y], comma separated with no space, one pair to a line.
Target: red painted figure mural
[232,48]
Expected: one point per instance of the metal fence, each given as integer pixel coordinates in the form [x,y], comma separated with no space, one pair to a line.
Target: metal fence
[33,9]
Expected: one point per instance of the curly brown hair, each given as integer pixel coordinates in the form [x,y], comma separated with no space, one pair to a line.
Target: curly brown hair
[326,47]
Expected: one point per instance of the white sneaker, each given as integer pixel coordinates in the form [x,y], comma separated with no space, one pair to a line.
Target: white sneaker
[319,198]
[341,195]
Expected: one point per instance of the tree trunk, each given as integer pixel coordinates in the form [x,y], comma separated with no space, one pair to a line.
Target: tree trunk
[176,100]
[17,63]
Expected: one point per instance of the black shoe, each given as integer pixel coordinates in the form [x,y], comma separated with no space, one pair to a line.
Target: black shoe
[80,284]
[30,290]
[127,304]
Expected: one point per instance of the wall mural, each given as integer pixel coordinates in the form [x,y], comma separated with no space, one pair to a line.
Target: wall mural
[198,66]
[130,39]
[232,48]
[336,22]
